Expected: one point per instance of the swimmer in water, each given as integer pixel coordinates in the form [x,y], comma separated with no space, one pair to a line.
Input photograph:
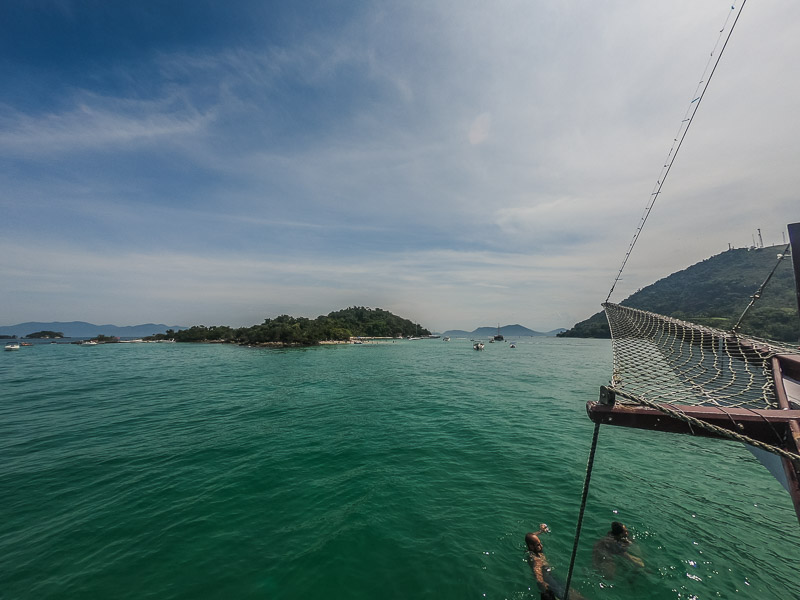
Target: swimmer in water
[615,543]
[550,589]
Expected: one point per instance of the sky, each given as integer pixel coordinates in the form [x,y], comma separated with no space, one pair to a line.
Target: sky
[459,163]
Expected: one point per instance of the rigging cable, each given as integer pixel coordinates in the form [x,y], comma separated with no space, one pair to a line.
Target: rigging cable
[679,139]
[760,290]
[586,481]
[694,105]
[677,413]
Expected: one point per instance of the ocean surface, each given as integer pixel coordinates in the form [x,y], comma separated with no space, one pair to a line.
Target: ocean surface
[395,470]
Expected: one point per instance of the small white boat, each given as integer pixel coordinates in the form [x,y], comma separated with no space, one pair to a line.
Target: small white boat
[513,345]
[445,339]
[478,345]
[12,346]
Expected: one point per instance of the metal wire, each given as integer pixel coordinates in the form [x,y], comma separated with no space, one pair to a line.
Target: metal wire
[589,466]
[760,290]
[694,105]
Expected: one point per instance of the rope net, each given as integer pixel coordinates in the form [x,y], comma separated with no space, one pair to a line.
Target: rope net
[666,360]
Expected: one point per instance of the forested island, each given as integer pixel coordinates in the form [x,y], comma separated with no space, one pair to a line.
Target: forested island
[357,321]
[715,292]
[45,335]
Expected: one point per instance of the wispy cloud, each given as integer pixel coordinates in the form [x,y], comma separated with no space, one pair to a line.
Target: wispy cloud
[96,123]
[451,159]
[145,285]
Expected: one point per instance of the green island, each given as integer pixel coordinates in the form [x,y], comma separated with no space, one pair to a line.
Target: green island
[45,335]
[715,293]
[357,321]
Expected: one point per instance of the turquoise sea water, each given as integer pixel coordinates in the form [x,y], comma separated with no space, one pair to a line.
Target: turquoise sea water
[399,470]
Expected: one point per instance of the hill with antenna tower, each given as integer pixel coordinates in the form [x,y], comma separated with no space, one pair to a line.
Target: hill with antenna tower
[715,292]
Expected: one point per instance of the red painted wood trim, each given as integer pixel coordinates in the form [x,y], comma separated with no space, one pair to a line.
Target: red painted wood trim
[792,439]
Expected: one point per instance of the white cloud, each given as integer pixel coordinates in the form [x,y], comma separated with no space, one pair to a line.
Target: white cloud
[461,158]
[480,129]
[96,124]
[230,288]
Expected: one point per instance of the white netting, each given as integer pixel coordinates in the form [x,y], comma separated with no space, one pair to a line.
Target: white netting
[666,360]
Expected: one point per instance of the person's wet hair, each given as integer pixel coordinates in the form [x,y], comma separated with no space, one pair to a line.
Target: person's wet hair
[617,528]
[531,538]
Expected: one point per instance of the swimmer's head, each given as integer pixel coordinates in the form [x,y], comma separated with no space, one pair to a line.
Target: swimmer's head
[533,542]
[618,529]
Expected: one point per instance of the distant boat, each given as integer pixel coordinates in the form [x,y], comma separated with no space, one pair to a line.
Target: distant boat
[12,346]
[499,336]
[445,339]
[89,343]
[478,345]
[513,345]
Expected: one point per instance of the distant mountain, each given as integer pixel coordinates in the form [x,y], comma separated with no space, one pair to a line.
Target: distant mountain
[457,333]
[715,293]
[83,329]
[506,331]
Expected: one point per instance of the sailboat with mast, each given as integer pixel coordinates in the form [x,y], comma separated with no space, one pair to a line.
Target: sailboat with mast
[499,336]
[677,376]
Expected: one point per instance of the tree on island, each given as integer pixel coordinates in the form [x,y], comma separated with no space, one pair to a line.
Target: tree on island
[45,335]
[357,321]
[106,339]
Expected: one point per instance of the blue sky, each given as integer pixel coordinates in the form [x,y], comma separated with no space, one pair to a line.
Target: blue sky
[458,163]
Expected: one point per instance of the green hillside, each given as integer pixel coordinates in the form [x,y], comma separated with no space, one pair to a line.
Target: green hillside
[715,292]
